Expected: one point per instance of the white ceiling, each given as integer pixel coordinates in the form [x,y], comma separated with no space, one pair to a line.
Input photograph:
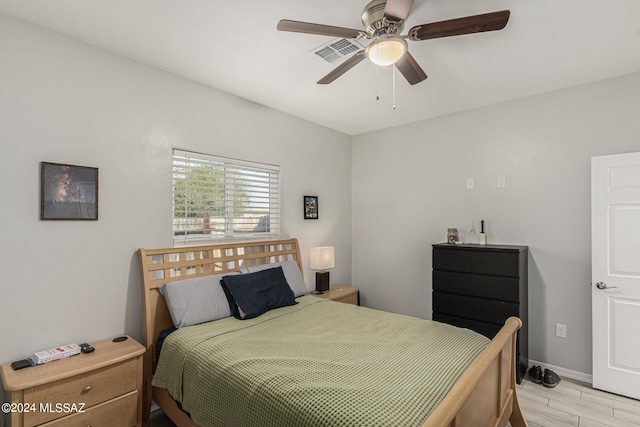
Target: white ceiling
[233,45]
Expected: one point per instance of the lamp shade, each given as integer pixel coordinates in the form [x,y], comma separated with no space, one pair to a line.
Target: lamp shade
[321,258]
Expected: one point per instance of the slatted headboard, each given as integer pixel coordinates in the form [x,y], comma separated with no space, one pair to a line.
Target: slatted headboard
[160,266]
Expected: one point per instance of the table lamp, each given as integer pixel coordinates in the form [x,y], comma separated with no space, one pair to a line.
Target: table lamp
[321,259]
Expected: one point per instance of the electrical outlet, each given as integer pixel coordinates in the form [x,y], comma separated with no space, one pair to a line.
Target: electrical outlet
[501,182]
[470,184]
[561,330]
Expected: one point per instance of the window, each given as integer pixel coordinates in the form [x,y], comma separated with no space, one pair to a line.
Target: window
[216,197]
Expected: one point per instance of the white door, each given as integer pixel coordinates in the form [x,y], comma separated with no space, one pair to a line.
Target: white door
[615,273]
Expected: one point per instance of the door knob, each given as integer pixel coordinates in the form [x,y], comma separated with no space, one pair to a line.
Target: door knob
[602,285]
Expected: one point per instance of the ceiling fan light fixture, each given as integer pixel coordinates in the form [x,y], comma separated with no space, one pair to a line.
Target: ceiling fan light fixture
[386,49]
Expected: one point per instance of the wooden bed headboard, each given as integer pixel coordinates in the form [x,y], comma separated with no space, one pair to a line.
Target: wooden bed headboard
[160,266]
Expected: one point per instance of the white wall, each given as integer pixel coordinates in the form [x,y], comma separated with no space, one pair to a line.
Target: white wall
[68,102]
[409,187]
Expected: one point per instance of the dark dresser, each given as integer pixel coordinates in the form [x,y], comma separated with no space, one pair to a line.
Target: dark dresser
[479,287]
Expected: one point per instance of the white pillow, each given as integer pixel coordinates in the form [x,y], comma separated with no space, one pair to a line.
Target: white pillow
[291,273]
[196,300]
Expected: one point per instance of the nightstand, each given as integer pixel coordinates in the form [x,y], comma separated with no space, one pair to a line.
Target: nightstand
[342,293]
[102,388]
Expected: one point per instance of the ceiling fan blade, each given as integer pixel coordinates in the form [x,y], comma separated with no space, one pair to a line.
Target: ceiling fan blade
[454,27]
[343,68]
[410,69]
[324,30]
[397,10]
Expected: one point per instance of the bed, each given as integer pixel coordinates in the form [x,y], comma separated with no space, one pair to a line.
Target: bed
[483,394]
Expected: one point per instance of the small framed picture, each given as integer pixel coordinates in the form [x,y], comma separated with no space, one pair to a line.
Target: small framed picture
[68,192]
[310,207]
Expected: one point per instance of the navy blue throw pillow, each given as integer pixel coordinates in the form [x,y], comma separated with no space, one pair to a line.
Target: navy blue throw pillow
[256,293]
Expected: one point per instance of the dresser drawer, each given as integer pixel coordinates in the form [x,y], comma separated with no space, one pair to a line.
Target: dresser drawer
[489,311]
[89,389]
[120,412]
[489,330]
[488,261]
[452,259]
[494,287]
[496,263]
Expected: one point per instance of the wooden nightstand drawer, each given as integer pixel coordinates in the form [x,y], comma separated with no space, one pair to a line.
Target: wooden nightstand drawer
[351,298]
[118,412]
[91,389]
[342,293]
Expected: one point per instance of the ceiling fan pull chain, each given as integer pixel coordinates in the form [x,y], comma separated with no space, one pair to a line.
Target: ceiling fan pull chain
[377,82]
[394,88]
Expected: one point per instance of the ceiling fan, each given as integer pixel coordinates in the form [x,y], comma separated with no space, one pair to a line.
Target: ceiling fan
[384,21]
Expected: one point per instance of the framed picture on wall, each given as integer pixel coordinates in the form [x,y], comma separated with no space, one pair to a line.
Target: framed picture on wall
[68,192]
[310,207]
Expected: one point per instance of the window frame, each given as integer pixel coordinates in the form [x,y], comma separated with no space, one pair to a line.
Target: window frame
[246,186]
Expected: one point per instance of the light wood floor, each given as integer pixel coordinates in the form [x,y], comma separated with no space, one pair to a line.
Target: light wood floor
[569,404]
[572,403]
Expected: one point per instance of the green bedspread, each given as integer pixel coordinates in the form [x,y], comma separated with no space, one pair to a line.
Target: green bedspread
[318,363]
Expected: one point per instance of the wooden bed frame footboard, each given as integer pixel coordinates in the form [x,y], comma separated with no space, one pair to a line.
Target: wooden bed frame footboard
[484,396]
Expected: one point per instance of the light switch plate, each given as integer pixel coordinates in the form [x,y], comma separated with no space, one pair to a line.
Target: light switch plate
[561,330]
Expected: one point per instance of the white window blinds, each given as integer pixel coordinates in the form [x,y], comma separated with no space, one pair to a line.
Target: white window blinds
[216,197]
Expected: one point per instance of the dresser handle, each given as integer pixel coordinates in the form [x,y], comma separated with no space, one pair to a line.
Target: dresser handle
[87,389]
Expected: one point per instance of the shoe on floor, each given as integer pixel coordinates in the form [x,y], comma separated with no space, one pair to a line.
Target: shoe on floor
[535,374]
[550,379]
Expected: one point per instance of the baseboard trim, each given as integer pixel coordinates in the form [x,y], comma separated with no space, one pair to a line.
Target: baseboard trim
[563,372]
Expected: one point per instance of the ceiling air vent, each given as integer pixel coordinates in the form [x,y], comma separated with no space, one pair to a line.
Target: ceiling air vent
[337,50]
